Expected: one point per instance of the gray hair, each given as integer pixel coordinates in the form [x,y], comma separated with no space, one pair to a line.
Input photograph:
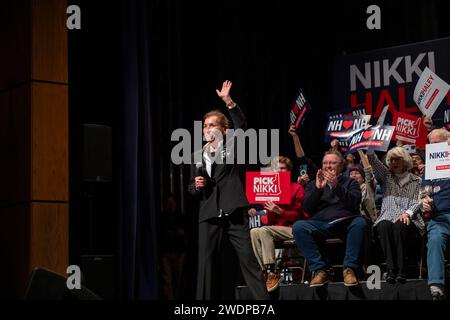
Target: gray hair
[442,133]
[401,153]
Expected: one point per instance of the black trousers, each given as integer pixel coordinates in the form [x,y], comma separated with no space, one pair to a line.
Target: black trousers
[211,234]
[394,242]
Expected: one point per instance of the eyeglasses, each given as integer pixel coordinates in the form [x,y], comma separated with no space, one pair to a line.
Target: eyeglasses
[330,162]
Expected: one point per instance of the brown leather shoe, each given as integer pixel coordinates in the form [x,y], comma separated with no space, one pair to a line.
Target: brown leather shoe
[319,279]
[273,281]
[349,277]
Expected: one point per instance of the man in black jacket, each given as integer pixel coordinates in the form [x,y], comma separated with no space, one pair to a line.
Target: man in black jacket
[333,201]
[216,181]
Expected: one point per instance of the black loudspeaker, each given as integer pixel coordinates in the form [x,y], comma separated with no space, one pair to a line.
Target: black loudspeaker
[97,152]
[99,274]
[44,284]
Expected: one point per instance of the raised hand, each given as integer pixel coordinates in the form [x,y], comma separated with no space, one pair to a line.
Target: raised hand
[334,144]
[224,93]
[428,123]
[292,131]
[364,159]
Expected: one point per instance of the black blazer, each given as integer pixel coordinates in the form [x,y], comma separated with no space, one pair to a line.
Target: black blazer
[224,190]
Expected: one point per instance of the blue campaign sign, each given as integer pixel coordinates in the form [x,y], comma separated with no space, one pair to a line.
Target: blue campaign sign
[343,128]
[375,138]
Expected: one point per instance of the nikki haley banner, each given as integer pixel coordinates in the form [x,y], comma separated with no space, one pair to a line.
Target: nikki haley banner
[430,91]
[437,164]
[376,78]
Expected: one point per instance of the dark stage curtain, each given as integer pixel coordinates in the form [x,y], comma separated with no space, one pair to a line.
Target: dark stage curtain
[137,189]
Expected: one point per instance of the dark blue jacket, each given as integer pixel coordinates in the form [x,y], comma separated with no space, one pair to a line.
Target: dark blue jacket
[329,204]
[441,195]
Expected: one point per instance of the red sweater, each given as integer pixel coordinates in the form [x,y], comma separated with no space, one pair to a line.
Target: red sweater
[290,212]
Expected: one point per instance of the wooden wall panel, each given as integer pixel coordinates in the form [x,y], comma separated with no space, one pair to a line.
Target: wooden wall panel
[50,142]
[34,139]
[49,236]
[49,40]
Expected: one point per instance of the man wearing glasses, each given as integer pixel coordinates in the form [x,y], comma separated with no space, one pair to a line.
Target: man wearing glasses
[333,201]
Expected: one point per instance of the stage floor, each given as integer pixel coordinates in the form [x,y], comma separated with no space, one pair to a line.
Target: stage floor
[412,290]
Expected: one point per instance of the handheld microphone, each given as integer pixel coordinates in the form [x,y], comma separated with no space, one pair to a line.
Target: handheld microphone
[199,172]
[199,169]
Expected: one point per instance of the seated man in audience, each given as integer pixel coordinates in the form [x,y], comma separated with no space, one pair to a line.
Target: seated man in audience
[438,228]
[333,201]
[280,218]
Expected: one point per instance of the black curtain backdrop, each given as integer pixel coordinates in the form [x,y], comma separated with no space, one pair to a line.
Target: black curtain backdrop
[136,184]
[149,67]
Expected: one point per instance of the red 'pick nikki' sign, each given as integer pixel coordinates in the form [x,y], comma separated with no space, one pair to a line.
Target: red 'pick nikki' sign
[264,186]
[410,129]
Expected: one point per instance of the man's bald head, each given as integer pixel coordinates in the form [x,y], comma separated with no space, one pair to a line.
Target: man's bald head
[438,135]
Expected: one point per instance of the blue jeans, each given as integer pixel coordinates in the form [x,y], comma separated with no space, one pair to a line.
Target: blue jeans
[307,234]
[438,230]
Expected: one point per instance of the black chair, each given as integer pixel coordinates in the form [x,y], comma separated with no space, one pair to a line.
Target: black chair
[329,249]
[288,262]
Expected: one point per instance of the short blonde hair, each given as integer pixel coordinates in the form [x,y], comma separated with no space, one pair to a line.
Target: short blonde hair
[223,120]
[400,153]
[280,159]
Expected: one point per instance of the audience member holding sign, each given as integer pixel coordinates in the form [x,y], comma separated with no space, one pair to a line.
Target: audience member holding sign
[438,228]
[280,219]
[366,180]
[307,166]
